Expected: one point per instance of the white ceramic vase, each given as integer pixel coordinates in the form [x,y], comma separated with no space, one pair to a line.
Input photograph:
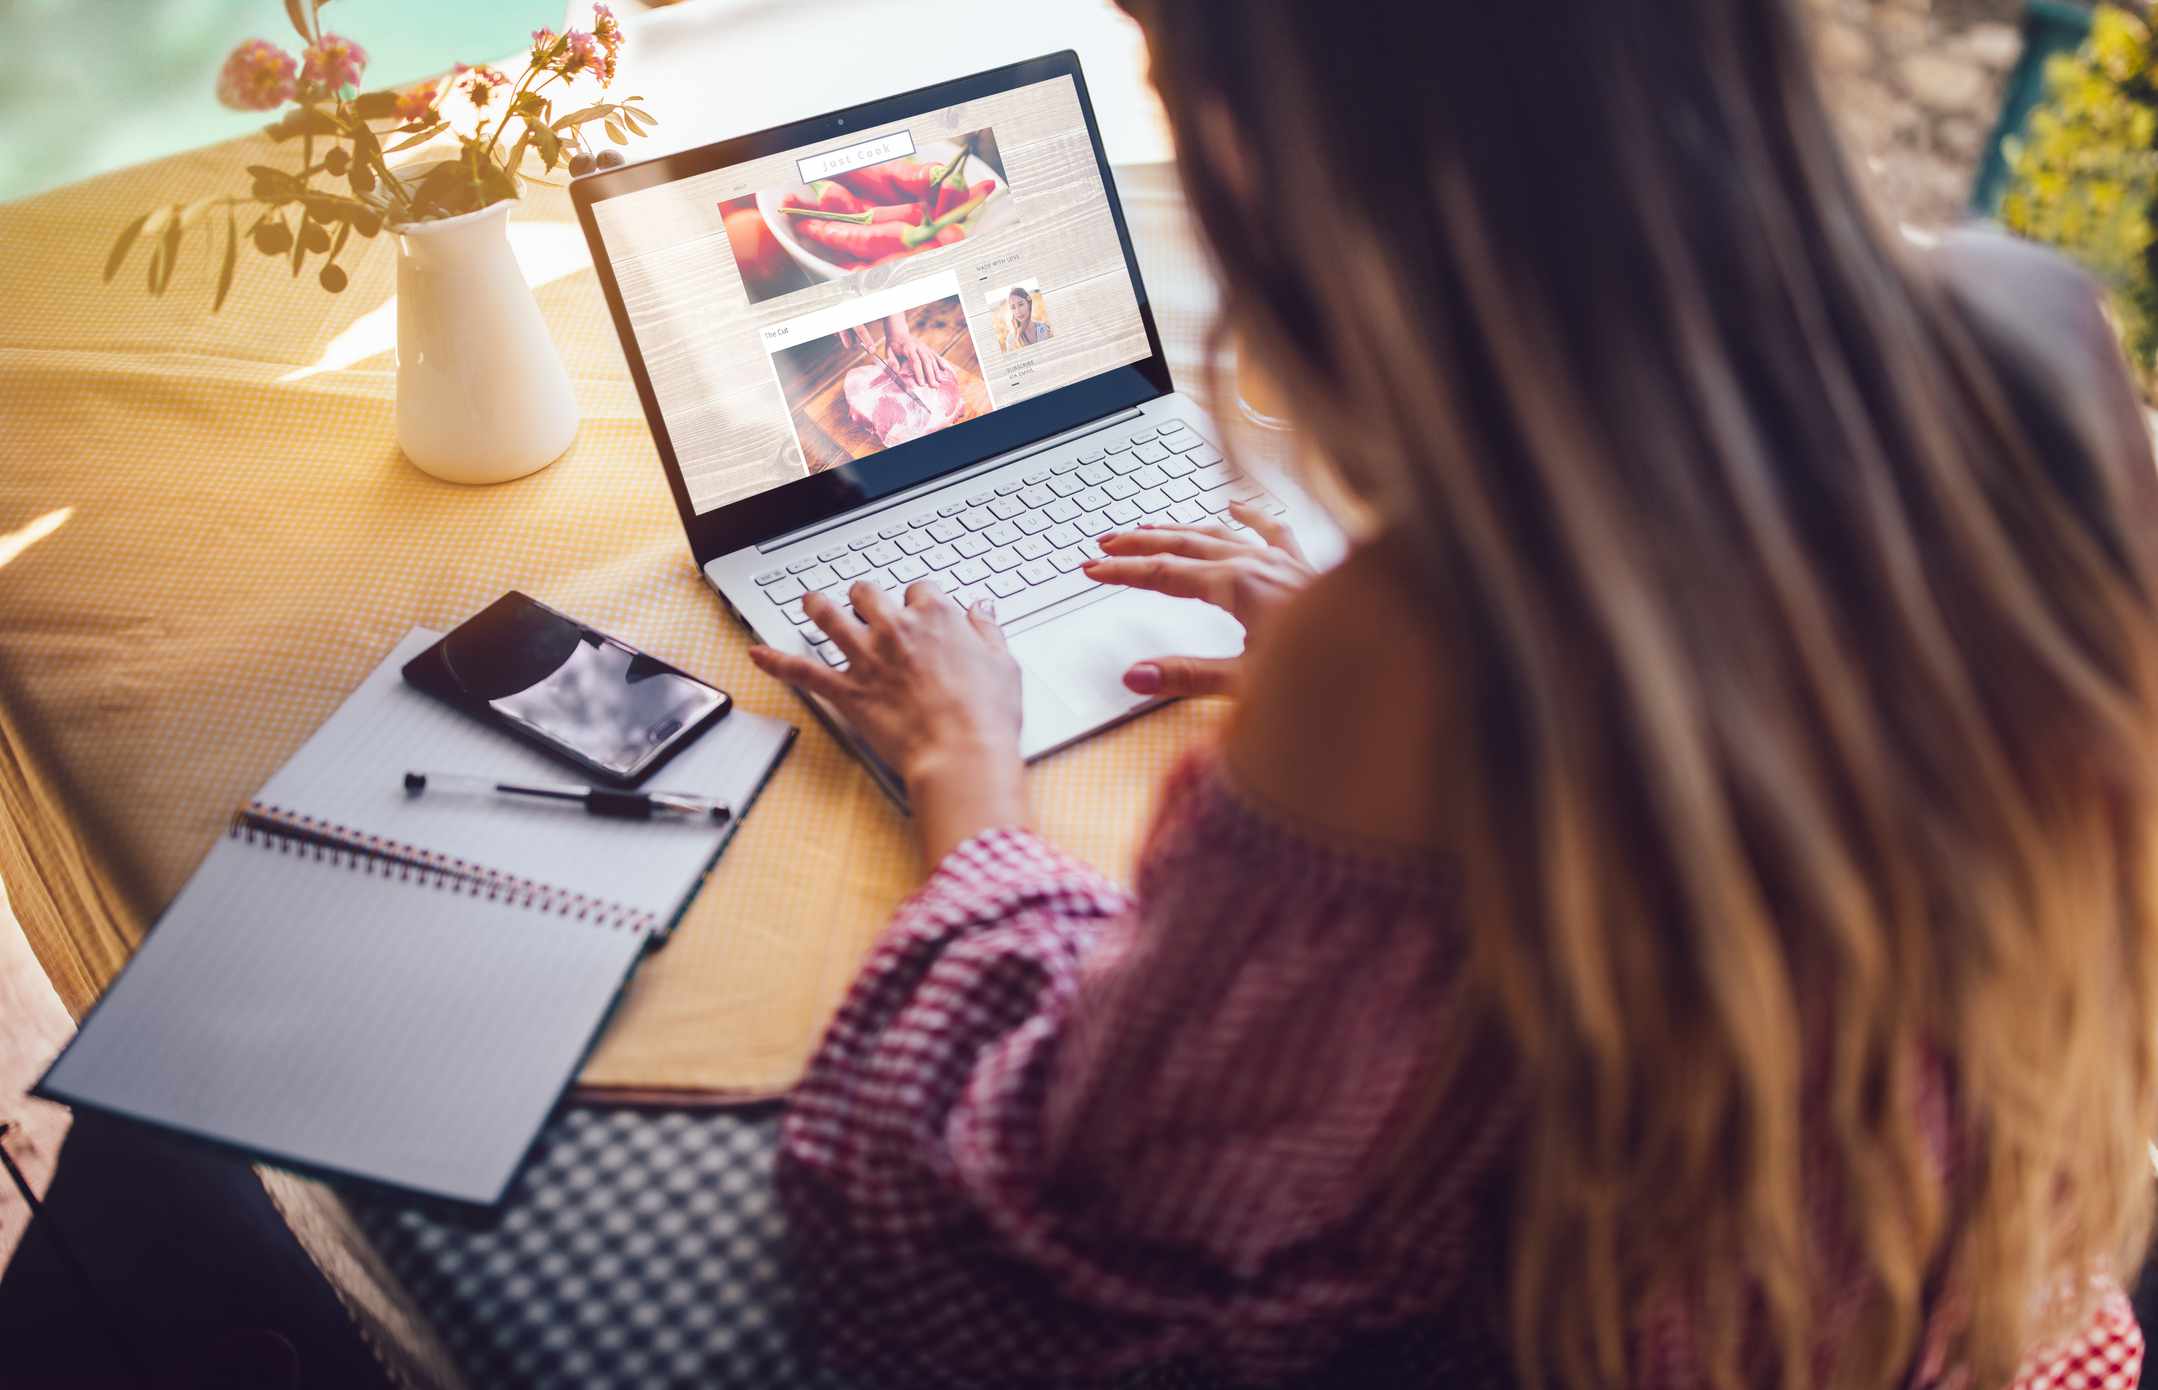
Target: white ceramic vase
[482,396]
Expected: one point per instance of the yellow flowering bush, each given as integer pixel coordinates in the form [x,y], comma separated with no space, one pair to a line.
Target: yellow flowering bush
[2084,176]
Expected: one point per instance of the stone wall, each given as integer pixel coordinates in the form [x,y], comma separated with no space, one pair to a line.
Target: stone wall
[1918,85]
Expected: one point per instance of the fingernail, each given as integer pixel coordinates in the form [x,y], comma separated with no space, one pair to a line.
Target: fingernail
[987,608]
[1143,679]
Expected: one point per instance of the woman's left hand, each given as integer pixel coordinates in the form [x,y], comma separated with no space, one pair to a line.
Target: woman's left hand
[934,692]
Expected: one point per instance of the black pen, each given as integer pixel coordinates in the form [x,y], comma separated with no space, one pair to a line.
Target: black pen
[599,801]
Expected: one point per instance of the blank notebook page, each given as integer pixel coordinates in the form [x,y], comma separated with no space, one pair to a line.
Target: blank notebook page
[351,774]
[317,1013]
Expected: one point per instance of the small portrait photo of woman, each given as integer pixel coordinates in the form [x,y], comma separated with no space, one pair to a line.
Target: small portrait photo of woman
[1020,317]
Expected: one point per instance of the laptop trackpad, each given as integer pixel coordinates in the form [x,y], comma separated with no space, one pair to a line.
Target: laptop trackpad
[1083,655]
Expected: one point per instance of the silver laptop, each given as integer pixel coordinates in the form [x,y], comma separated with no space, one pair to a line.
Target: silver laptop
[909,341]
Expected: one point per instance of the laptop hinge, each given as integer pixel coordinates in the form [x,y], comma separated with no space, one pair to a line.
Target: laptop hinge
[943,481]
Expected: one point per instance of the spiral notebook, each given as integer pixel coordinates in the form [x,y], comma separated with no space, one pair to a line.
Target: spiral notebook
[396,989]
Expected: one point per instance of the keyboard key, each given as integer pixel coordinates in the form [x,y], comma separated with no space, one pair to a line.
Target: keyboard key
[771,576]
[1034,523]
[1152,451]
[1244,489]
[1190,513]
[1117,448]
[951,509]
[1092,499]
[807,562]
[1005,585]
[1127,463]
[1003,533]
[1007,489]
[814,633]
[977,518]
[1150,476]
[970,545]
[882,579]
[909,569]
[1048,594]
[794,612]
[1003,558]
[881,554]
[1037,496]
[967,595]
[1213,475]
[894,531]
[783,589]
[1065,467]
[818,577]
[915,542]
[1063,534]
[1169,427]
[1205,456]
[1217,501]
[970,572]
[980,499]
[1124,513]
[861,542]
[832,655]
[831,553]
[1176,466]
[1153,500]
[947,529]
[1038,477]
[1066,486]
[1038,571]
[1033,548]
[1067,559]
[1063,509]
[922,520]
[1092,456]
[1007,507]
[1143,436]
[1185,443]
[1094,523]
[940,557]
[850,566]
[1180,489]
[1096,473]
[1092,550]
[1120,488]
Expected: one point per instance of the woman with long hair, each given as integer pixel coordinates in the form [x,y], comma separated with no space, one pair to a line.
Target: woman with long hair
[1674,906]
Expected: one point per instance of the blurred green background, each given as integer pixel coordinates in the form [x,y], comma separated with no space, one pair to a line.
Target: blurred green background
[98,84]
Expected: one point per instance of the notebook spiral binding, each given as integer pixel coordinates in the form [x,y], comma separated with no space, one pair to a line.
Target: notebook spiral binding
[290,832]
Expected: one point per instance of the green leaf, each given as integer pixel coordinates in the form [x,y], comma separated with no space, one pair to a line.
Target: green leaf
[362,177]
[299,250]
[529,104]
[615,132]
[232,258]
[581,115]
[550,145]
[296,11]
[344,234]
[375,106]
[420,138]
[313,120]
[276,180]
[514,160]
[125,244]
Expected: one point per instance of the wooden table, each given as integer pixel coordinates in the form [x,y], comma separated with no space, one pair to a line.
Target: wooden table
[207,536]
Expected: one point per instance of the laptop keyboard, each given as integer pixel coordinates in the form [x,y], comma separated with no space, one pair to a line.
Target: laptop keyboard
[1022,541]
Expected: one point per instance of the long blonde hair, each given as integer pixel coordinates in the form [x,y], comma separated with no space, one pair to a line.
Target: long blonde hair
[1809,656]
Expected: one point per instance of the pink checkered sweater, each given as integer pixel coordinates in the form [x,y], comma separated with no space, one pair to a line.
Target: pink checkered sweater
[1058,1132]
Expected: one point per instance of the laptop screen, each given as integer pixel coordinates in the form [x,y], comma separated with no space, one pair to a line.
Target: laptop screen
[848,304]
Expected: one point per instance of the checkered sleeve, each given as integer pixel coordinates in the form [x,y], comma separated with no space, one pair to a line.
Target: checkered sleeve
[2106,1355]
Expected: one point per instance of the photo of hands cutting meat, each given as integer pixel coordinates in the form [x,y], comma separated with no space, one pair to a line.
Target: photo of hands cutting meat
[882,383]
[792,237]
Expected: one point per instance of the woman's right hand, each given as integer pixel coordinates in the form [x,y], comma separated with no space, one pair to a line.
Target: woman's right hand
[1247,575]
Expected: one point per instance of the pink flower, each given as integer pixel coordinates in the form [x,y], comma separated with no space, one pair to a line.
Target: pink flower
[417,103]
[334,62]
[607,27]
[543,41]
[256,77]
[583,54]
[479,84]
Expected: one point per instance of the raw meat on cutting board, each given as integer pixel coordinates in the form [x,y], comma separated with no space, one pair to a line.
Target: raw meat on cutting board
[895,414]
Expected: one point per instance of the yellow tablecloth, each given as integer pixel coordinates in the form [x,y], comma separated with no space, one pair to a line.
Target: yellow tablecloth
[214,537]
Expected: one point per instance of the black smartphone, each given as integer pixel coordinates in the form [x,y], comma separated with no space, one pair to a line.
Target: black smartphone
[568,688]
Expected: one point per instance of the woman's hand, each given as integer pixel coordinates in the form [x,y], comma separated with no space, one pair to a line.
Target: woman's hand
[934,692]
[913,354]
[1247,577]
